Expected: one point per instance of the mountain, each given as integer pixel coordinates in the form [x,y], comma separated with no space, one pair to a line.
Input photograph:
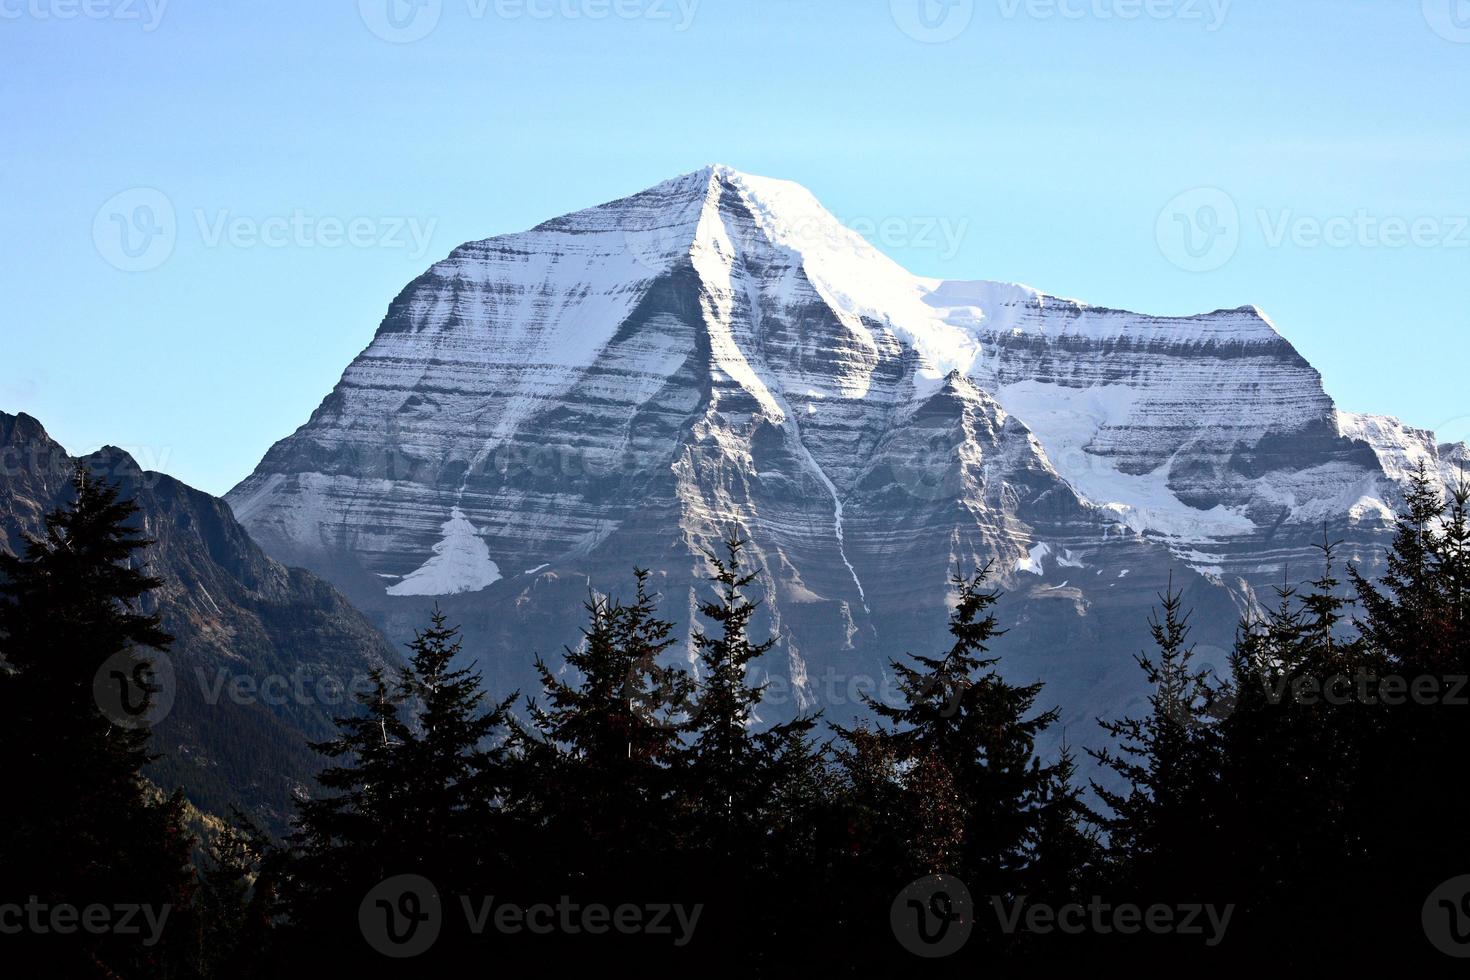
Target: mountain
[539,412]
[260,649]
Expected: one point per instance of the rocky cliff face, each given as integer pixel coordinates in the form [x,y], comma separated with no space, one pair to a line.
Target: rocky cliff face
[263,654]
[539,412]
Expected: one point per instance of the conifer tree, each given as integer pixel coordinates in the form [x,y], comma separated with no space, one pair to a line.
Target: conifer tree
[84,826]
[730,769]
[658,695]
[455,766]
[751,796]
[1066,853]
[1066,865]
[1406,615]
[961,730]
[417,784]
[1453,559]
[1312,753]
[1168,762]
[601,746]
[1407,806]
[869,791]
[358,833]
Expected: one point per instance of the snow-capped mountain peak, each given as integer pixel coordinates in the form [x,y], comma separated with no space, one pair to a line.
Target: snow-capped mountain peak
[625,383]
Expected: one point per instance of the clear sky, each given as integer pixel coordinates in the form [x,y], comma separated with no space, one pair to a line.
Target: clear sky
[208,204]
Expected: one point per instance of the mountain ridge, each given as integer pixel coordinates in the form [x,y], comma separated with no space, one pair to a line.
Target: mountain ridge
[237,616]
[625,383]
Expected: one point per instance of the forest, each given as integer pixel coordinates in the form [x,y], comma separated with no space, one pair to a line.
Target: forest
[1305,810]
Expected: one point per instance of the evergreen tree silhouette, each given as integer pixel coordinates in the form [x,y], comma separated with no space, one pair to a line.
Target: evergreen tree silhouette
[743,789]
[1066,848]
[1415,614]
[731,771]
[964,738]
[84,827]
[600,749]
[1408,804]
[357,834]
[415,788]
[456,767]
[1168,762]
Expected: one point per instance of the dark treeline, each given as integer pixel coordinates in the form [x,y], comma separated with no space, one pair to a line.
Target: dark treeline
[1299,812]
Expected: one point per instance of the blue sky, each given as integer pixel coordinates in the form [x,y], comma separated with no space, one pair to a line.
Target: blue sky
[1170,156]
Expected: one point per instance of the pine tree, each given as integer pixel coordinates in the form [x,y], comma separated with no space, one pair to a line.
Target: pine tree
[1407,618]
[456,767]
[751,798]
[731,771]
[1453,561]
[1405,811]
[1169,764]
[1066,852]
[875,850]
[1322,772]
[601,746]
[657,695]
[964,740]
[83,825]
[800,811]
[1066,864]
[877,839]
[416,786]
[415,764]
[358,834]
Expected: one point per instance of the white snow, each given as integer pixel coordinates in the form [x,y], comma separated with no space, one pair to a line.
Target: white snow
[1019,309]
[1065,420]
[714,257]
[859,283]
[504,328]
[1032,562]
[1365,508]
[460,563]
[1399,448]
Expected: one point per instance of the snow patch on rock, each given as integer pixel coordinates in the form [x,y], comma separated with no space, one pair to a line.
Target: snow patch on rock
[460,563]
[1032,562]
[1066,421]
